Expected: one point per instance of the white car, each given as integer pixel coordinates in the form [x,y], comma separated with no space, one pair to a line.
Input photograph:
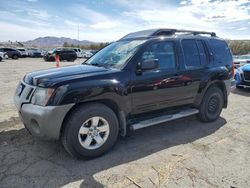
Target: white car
[81,53]
[3,56]
[87,54]
[23,52]
[241,60]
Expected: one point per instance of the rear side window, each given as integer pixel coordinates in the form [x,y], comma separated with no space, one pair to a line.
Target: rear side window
[191,53]
[221,51]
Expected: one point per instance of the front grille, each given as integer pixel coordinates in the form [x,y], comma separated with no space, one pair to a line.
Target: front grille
[246,75]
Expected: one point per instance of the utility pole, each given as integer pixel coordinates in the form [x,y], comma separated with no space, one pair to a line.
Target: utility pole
[78,35]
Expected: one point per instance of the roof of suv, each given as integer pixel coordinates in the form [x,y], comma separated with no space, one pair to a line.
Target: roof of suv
[171,33]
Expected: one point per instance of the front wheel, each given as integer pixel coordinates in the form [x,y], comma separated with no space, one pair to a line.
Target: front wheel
[211,105]
[90,131]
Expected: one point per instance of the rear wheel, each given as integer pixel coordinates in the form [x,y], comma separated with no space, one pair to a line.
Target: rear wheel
[0,59]
[212,104]
[90,131]
[15,56]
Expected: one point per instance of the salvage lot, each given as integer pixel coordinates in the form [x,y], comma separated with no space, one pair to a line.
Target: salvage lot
[182,153]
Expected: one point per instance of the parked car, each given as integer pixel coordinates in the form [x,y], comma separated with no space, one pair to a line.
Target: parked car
[64,54]
[79,52]
[82,54]
[23,51]
[241,60]
[145,78]
[242,76]
[34,52]
[12,53]
[87,54]
[3,55]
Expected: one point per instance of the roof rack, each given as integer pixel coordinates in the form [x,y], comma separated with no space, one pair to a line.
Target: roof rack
[174,31]
[164,32]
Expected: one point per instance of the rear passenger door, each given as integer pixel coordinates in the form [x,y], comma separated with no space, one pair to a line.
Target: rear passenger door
[195,60]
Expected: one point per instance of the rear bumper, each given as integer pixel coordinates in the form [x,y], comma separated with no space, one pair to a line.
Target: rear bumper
[44,122]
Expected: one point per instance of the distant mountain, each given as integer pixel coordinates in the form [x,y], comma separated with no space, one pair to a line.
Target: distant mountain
[54,42]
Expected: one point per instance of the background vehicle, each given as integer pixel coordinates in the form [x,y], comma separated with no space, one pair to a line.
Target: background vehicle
[242,76]
[145,78]
[64,54]
[24,52]
[79,52]
[1,56]
[34,52]
[241,60]
[12,53]
[82,54]
[87,54]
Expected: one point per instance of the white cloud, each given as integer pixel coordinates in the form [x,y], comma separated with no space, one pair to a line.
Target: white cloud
[208,15]
[32,1]
[105,25]
[227,18]
[241,29]
[39,14]
[183,2]
[219,11]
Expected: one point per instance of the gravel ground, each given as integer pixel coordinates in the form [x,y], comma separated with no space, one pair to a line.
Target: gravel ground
[182,153]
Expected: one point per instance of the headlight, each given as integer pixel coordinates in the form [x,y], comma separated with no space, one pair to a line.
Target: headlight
[41,96]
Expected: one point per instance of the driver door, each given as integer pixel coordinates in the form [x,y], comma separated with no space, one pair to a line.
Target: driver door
[158,88]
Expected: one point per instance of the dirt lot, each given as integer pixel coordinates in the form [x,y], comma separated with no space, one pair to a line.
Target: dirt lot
[182,153]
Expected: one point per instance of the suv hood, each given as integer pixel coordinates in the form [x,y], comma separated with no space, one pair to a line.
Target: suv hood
[51,77]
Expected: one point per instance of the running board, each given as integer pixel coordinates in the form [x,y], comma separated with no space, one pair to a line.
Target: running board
[164,118]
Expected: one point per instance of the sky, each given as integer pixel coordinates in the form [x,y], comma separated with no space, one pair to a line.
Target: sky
[109,20]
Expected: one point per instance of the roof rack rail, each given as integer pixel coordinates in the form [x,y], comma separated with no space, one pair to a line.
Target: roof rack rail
[174,31]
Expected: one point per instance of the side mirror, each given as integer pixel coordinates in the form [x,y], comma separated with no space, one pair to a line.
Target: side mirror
[149,64]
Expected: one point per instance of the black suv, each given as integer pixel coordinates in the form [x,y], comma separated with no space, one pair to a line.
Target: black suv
[145,78]
[64,54]
[12,53]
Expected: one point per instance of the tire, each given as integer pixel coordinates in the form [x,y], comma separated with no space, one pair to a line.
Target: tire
[15,56]
[211,105]
[0,59]
[78,145]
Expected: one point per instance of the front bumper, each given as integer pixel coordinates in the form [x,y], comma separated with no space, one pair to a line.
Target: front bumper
[241,82]
[44,121]
[41,121]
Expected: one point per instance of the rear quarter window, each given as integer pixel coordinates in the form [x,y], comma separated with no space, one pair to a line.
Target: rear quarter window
[221,51]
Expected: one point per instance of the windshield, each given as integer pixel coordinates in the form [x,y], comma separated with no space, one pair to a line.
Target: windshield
[116,54]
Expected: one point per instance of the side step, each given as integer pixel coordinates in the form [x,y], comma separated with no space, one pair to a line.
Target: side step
[164,118]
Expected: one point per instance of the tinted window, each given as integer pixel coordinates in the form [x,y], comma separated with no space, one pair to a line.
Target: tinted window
[221,51]
[191,53]
[202,52]
[163,52]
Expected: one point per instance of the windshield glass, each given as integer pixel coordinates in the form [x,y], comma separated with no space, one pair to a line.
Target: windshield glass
[116,54]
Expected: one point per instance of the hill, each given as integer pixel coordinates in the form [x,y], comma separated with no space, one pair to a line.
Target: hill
[55,42]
